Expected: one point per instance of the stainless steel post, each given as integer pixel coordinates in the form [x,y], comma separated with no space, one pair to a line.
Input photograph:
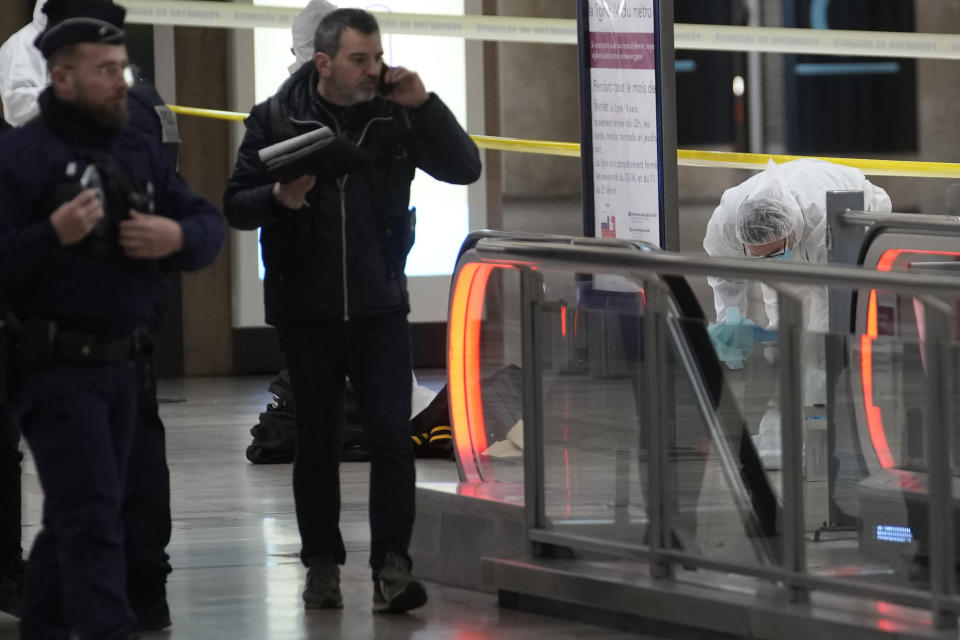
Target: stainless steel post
[791,426]
[654,425]
[938,351]
[531,296]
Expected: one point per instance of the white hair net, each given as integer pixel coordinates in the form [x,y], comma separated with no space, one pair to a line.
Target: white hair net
[305,28]
[770,212]
[763,221]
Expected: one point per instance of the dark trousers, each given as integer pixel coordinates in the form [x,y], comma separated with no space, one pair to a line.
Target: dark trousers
[10,456]
[146,507]
[375,352]
[78,421]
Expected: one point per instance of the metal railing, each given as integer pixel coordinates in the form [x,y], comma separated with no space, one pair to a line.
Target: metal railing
[646,268]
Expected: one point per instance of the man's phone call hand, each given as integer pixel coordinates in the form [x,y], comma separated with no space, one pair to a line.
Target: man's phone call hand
[406,87]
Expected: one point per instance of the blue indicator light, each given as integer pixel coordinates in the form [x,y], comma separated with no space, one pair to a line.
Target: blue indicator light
[890,533]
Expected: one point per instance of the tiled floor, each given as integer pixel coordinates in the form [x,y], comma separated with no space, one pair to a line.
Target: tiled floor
[234,548]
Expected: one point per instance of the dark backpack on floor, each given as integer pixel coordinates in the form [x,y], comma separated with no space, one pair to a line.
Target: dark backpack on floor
[275,436]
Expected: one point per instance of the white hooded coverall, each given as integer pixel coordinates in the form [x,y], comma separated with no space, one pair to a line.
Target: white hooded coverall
[801,186]
[23,70]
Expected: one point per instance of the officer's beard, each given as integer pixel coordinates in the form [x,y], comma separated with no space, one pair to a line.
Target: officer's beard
[110,116]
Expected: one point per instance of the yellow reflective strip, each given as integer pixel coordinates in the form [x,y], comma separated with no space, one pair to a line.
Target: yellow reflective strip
[685,157]
[416,440]
[440,437]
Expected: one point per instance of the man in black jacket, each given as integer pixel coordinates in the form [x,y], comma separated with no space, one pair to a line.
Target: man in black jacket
[334,249]
[81,265]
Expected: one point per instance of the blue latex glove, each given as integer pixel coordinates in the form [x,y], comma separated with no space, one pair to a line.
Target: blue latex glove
[733,338]
[765,335]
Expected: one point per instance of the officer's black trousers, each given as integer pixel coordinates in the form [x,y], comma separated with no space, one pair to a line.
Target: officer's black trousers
[10,550]
[375,352]
[146,508]
[78,421]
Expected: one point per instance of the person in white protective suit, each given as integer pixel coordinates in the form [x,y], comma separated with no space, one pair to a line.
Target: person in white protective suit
[23,70]
[304,30]
[779,214]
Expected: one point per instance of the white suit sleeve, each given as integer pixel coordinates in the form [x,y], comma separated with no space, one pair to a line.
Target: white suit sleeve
[726,294]
[23,76]
[720,241]
[20,105]
[875,198]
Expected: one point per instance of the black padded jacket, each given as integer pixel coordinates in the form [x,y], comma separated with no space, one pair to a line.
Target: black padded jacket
[344,253]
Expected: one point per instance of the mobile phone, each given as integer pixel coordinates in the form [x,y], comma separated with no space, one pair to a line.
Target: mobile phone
[384,87]
[90,179]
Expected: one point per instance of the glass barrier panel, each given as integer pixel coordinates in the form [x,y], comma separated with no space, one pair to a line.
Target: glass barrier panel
[589,374]
[500,388]
[866,455]
[720,499]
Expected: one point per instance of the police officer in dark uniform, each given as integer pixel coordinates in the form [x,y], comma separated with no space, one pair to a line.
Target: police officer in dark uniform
[146,511]
[11,553]
[91,211]
[146,516]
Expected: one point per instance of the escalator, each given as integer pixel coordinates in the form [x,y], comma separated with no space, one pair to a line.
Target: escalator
[879,390]
[618,506]
[718,447]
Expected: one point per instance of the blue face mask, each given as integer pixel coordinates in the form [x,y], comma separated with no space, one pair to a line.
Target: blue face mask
[785,255]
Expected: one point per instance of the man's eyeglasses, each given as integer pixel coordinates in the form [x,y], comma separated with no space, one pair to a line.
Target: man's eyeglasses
[111,71]
[776,253]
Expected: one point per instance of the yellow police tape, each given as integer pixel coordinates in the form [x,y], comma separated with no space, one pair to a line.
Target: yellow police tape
[685,157]
[870,167]
[216,114]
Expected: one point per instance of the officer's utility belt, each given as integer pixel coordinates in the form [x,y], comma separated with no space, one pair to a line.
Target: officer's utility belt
[40,343]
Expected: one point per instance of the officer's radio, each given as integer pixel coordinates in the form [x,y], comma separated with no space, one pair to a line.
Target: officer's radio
[118,193]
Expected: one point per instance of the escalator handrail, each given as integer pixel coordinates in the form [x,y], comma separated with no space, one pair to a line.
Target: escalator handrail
[587,258]
[548,238]
[915,221]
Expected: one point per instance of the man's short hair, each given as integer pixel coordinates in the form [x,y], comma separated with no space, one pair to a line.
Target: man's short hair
[62,56]
[331,28]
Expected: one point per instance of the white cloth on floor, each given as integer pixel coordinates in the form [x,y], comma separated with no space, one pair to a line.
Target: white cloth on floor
[420,397]
[509,447]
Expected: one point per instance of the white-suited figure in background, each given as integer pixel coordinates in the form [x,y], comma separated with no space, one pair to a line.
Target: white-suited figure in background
[304,30]
[779,214]
[23,70]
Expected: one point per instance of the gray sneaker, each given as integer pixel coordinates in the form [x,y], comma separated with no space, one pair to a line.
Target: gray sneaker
[394,590]
[323,587]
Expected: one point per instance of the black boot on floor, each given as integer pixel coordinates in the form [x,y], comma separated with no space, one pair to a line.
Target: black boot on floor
[150,608]
[394,589]
[322,590]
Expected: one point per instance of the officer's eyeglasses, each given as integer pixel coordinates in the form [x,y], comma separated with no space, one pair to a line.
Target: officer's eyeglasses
[110,71]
